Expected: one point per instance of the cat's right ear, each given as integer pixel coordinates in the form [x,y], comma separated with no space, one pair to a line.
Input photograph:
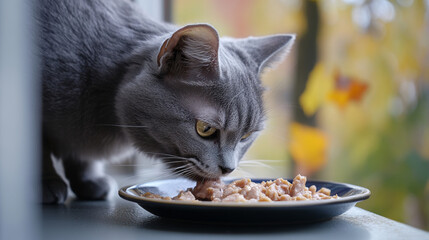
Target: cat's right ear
[191,47]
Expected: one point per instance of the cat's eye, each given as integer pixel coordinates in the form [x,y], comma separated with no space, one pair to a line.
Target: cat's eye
[246,136]
[204,129]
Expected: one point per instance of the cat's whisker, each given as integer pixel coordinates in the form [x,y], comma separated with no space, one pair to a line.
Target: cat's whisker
[185,172]
[145,165]
[188,173]
[246,173]
[181,169]
[263,160]
[178,168]
[257,165]
[145,176]
[181,173]
[165,154]
[127,165]
[175,157]
[173,160]
[156,153]
[168,159]
[175,170]
[253,163]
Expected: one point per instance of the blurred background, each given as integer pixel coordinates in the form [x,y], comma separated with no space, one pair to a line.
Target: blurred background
[351,101]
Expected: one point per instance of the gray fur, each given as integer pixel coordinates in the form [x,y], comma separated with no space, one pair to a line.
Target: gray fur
[100,71]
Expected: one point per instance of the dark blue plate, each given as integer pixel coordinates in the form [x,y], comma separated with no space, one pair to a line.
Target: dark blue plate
[244,213]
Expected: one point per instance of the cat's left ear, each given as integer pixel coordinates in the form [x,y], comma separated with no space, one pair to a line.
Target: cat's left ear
[269,50]
[191,47]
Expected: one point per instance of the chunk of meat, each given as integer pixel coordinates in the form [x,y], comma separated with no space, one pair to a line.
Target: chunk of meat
[208,190]
[185,196]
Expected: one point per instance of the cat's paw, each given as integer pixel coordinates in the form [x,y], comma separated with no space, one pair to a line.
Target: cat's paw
[54,190]
[92,189]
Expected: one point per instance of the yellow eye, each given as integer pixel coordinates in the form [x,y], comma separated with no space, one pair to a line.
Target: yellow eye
[246,136]
[204,129]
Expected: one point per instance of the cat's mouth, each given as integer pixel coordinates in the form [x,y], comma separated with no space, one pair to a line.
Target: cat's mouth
[201,174]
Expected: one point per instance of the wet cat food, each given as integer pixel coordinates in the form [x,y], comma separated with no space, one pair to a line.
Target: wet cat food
[244,190]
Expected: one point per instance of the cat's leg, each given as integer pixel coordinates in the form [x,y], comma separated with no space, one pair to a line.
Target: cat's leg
[54,189]
[86,179]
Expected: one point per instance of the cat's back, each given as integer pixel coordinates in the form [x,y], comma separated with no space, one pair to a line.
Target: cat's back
[83,43]
[88,32]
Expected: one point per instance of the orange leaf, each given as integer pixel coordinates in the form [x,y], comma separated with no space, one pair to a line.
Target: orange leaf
[308,147]
[346,90]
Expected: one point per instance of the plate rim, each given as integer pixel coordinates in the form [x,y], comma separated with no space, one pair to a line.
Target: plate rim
[123,193]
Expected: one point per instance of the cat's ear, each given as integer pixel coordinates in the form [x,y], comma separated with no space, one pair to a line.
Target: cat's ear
[268,50]
[193,46]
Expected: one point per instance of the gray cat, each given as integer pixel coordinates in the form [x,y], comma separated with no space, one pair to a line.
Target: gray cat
[115,81]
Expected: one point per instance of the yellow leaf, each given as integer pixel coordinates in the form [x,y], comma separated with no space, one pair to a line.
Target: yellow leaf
[341,98]
[308,147]
[319,83]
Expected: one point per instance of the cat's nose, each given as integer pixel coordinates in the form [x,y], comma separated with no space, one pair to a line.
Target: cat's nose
[225,170]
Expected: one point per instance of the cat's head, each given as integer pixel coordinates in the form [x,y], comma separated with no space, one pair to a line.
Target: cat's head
[198,98]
